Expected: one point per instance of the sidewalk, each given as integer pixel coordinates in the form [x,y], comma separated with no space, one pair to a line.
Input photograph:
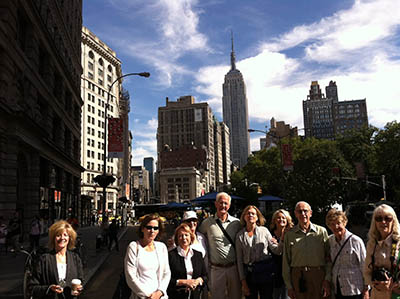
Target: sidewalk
[12,265]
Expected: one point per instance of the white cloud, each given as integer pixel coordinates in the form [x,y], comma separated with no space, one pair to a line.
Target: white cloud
[359,30]
[138,154]
[174,33]
[354,47]
[144,141]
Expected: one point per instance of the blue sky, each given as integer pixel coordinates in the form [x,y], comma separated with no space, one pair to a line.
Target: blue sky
[280,45]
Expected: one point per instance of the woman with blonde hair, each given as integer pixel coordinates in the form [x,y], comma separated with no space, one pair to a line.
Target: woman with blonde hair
[381,268]
[146,261]
[347,252]
[281,222]
[188,271]
[254,260]
[52,277]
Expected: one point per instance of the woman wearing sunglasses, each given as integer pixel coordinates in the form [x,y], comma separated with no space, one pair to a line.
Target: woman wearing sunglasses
[146,262]
[381,268]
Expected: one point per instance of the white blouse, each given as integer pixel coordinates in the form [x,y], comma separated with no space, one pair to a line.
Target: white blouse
[147,269]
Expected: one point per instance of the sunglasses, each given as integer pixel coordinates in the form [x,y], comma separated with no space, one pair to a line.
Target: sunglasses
[191,221]
[386,218]
[149,227]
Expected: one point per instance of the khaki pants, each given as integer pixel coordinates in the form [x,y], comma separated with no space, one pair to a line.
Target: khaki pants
[225,283]
[313,276]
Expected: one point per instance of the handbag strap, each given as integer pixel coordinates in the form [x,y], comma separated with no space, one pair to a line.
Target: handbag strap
[225,232]
[340,250]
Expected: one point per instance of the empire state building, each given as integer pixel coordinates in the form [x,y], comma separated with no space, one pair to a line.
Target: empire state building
[235,113]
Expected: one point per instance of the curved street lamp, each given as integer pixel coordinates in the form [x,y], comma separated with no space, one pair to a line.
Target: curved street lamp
[104,180]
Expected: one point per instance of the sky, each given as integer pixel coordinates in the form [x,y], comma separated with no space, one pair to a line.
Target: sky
[280,46]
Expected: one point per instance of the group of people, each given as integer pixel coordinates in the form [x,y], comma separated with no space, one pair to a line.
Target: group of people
[230,257]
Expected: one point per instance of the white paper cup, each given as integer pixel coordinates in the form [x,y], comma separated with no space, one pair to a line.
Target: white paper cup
[75,283]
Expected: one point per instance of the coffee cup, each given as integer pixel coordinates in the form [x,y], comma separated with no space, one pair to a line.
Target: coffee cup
[75,283]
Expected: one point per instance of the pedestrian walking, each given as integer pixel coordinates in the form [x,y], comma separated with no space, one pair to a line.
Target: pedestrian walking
[14,232]
[113,234]
[34,234]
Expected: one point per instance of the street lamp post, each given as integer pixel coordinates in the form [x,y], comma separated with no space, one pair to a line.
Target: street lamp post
[106,179]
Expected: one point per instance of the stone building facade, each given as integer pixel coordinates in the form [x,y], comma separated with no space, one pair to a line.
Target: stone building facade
[40,112]
[327,117]
[100,68]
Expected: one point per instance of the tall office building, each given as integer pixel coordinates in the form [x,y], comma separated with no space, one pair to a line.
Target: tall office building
[181,124]
[40,112]
[140,184]
[235,113]
[317,114]
[327,117]
[100,68]
[148,164]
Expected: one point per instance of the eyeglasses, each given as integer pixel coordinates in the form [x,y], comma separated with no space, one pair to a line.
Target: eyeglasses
[149,227]
[386,218]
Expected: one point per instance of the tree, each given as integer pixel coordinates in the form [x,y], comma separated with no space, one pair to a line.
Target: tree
[313,179]
[387,143]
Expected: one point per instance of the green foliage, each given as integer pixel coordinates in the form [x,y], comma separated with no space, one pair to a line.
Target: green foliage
[325,170]
[387,143]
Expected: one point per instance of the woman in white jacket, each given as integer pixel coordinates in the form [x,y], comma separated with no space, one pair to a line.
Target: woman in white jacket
[146,262]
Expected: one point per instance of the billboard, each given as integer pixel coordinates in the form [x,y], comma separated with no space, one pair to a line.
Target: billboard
[115,138]
[287,157]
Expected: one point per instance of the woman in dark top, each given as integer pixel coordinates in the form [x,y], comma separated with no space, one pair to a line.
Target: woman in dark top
[55,270]
[280,223]
[188,271]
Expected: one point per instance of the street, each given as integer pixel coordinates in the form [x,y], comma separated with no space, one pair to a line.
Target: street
[104,282]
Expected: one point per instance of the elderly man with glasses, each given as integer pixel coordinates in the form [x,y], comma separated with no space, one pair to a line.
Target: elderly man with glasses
[306,267]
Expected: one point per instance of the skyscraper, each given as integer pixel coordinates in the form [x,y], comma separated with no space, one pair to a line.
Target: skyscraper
[235,113]
[148,164]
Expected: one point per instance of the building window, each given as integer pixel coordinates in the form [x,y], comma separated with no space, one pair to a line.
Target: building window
[100,71]
[91,55]
[109,78]
[90,65]
[100,82]
[90,75]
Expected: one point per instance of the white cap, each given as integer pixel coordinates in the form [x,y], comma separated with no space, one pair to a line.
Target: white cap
[189,215]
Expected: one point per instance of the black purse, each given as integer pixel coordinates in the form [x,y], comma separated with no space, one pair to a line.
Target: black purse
[262,272]
[122,291]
